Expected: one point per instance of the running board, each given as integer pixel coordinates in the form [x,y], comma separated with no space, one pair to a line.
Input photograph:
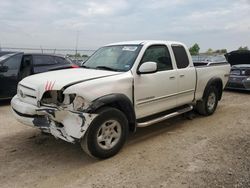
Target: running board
[159,119]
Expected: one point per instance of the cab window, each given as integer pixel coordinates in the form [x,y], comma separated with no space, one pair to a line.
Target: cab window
[181,57]
[160,55]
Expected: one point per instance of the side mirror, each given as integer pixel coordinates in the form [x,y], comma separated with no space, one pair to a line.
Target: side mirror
[3,68]
[147,68]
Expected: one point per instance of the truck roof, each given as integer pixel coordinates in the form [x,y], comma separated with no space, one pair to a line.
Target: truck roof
[143,42]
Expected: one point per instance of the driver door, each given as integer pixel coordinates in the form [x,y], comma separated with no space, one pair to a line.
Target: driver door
[155,92]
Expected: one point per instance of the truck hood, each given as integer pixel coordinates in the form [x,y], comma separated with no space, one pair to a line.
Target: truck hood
[61,79]
[238,57]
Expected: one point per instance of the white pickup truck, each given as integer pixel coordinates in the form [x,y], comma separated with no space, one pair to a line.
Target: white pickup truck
[122,86]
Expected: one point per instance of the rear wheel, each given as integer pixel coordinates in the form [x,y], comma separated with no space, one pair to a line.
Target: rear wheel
[106,134]
[209,103]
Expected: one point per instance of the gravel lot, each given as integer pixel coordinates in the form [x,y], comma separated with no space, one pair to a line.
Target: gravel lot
[204,152]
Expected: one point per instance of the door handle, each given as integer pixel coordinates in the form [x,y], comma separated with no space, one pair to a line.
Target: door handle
[182,75]
[172,77]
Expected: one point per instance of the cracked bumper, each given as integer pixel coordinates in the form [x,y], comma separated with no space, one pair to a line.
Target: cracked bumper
[64,124]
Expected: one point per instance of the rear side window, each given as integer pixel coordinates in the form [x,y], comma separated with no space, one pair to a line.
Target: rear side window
[181,57]
[39,60]
[160,55]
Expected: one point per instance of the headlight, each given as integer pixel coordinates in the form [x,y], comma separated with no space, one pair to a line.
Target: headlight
[248,79]
[78,103]
[57,98]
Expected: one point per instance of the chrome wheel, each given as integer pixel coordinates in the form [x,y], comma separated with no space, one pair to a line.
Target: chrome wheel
[211,102]
[109,134]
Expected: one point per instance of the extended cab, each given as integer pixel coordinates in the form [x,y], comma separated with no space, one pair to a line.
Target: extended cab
[122,86]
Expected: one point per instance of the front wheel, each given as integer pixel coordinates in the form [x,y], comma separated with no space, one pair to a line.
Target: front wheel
[106,134]
[209,103]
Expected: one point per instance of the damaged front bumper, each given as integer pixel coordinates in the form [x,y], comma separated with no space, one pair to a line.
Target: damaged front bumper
[66,124]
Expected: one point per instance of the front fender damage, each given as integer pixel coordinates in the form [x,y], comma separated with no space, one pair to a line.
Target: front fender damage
[64,123]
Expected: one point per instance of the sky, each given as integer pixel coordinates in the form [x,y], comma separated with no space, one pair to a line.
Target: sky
[212,24]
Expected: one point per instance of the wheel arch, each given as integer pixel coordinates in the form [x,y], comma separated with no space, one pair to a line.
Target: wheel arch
[217,83]
[118,101]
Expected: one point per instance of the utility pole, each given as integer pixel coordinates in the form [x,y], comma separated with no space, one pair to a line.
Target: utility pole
[77,39]
[41,49]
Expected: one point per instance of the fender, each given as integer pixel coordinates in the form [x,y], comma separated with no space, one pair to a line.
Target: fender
[217,82]
[119,101]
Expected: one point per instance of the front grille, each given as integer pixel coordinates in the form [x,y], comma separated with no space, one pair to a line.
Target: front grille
[27,94]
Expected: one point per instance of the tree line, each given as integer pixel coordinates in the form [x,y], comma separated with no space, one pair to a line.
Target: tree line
[195,50]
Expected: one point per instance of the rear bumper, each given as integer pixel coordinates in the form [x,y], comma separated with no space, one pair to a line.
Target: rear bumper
[64,124]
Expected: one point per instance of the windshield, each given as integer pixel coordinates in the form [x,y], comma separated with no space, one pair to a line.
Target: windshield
[5,56]
[114,58]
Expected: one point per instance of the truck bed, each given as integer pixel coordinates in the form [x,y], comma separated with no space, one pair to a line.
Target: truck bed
[205,73]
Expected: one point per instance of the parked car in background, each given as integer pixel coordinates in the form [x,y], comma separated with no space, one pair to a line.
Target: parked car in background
[240,72]
[78,60]
[14,66]
[206,60]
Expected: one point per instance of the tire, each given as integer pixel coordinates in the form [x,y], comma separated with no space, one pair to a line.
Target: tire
[106,134]
[209,103]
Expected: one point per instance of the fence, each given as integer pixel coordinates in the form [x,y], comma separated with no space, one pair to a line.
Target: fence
[87,52]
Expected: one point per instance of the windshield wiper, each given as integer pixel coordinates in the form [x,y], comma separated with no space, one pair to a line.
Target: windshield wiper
[106,68]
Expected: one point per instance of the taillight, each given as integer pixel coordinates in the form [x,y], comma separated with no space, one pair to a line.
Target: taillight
[74,66]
